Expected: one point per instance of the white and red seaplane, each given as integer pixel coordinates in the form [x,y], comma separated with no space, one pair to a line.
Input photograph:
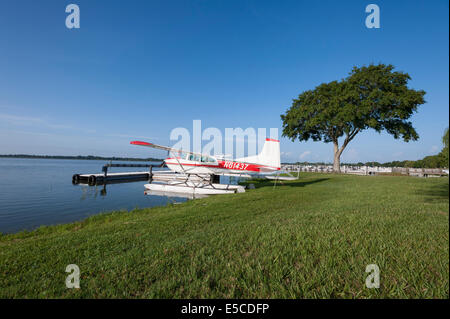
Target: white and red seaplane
[196,173]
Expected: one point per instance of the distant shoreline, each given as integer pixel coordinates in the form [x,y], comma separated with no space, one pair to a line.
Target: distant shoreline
[89,157]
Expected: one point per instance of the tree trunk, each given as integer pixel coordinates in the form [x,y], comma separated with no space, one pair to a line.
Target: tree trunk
[338,152]
[337,159]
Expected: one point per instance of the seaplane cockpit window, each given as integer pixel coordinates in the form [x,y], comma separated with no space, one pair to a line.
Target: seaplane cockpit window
[208,159]
[193,157]
[198,158]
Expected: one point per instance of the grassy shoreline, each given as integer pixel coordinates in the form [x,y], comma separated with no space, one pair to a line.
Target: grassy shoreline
[310,238]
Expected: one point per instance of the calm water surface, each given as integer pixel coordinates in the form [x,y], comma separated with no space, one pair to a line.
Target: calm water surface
[35,192]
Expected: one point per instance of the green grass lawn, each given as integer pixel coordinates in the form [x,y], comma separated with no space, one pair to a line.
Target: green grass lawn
[310,238]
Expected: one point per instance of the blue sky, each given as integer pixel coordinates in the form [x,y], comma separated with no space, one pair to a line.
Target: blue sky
[138,69]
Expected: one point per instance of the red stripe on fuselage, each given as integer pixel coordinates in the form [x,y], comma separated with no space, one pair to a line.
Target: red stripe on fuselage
[228,165]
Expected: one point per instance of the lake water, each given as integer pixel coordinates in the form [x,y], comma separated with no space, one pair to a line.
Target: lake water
[35,192]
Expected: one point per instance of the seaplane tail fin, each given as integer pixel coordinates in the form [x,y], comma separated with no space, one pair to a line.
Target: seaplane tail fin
[270,153]
[269,156]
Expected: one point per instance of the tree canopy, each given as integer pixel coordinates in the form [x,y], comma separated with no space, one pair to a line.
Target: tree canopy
[443,155]
[370,97]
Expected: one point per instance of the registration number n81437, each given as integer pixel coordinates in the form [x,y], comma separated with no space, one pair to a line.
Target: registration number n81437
[235,165]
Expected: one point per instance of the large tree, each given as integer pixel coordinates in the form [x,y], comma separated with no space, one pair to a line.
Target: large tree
[443,155]
[371,97]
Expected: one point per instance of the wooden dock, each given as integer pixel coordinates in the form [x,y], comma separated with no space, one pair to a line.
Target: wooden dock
[128,177]
[97,179]
[105,177]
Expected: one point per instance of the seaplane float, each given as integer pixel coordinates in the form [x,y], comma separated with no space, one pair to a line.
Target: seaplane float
[199,174]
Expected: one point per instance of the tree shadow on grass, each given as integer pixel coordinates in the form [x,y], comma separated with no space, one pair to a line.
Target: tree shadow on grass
[270,183]
[435,193]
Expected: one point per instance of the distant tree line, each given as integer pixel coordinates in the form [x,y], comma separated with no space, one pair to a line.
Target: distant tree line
[80,157]
[433,161]
[440,160]
[427,162]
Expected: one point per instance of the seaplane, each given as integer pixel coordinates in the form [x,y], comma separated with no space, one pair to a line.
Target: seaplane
[196,173]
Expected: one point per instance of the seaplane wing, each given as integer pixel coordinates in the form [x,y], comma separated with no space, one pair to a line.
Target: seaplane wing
[161,147]
[281,178]
[236,175]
